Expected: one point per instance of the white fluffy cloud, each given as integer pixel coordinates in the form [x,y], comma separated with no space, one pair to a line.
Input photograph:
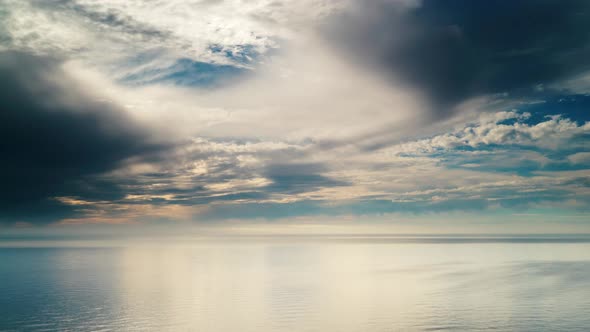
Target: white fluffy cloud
[552,133]
[105,31]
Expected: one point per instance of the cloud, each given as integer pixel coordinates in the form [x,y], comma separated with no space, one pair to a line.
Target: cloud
[289,179]
[282,109]
[507,128]
[580,158]
[57,140]
[213,179]
[456,50]
[106,33]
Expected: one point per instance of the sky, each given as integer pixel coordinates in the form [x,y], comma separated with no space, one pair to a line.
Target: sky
[153,112]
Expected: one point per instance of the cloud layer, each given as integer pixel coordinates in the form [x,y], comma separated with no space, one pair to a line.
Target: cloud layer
[456,50]
[56,139]
[142,111]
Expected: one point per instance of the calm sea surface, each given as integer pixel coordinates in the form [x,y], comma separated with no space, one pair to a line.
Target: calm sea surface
[363,283]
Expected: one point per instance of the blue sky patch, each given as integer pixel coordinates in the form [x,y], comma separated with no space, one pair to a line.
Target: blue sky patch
[186,72]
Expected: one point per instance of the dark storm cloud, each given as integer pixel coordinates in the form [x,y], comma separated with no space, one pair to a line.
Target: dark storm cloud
[56,141]
[453,50]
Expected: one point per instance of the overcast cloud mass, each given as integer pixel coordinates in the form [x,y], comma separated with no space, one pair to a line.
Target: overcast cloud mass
[146,111]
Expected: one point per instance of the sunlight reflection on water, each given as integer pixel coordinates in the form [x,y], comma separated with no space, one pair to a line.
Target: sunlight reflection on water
[291,285]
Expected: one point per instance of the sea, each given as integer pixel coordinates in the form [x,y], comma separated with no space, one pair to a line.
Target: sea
[298,283]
